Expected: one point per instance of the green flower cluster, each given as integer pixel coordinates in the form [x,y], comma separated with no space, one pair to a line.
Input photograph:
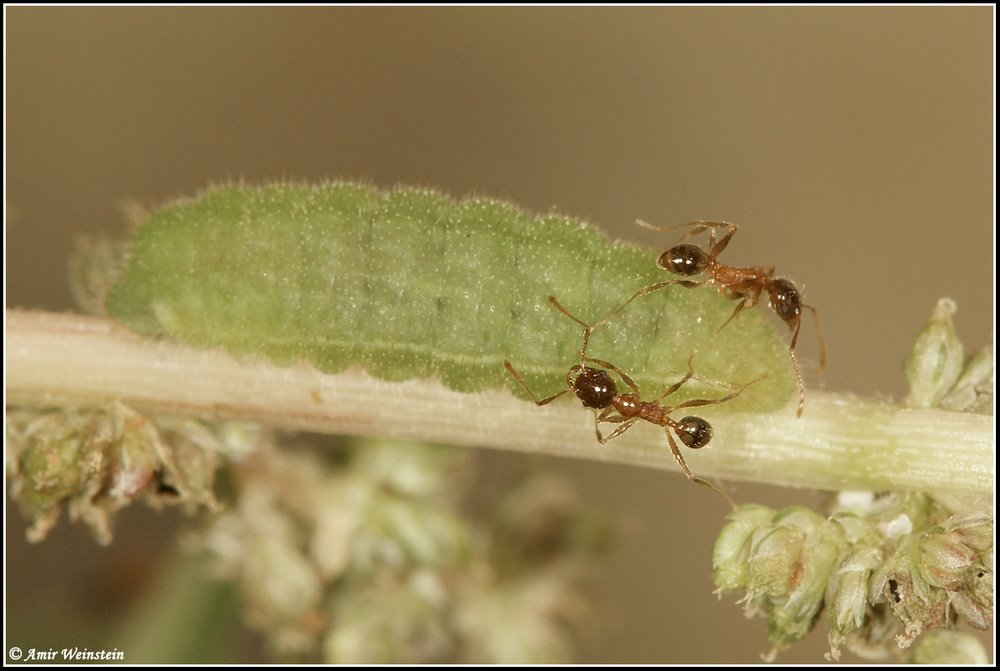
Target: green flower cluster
[885,571]
[96,461]
[366,558]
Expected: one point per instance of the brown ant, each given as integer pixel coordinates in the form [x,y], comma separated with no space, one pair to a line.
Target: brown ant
[745,284]
[597,389]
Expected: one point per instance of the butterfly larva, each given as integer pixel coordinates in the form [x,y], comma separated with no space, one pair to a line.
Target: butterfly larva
[410,283]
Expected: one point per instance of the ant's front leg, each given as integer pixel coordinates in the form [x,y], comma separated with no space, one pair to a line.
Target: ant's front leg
[520,380]
[587,328]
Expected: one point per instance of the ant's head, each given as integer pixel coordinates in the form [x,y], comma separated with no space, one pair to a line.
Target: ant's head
[785,300]
[684,260]
[595,387]
[694,432]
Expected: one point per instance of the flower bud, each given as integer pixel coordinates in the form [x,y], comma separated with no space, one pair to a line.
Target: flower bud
[935,362]
[974,390]
[732,548]
[847,595]
[948,647]
[824,545]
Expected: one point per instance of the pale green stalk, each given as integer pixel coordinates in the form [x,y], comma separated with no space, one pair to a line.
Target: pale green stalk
[841,442]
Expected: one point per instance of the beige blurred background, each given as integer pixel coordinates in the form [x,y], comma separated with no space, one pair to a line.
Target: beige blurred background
[853,145]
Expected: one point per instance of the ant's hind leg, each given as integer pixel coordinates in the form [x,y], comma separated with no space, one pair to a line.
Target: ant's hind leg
[691,476]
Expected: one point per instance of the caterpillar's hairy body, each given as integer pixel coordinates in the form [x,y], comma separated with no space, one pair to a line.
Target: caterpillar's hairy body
[410,283]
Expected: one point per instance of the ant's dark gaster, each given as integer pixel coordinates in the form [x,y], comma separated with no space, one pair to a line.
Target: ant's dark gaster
[596,388]
[746,285]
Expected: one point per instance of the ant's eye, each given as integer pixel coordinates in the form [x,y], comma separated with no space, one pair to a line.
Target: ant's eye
[694,432]
[684,260]
[785,299]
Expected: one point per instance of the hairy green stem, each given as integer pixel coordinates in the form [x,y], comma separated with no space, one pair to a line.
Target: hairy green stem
[842,442]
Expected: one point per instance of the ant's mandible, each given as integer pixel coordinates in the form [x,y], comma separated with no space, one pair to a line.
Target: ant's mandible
[595,387]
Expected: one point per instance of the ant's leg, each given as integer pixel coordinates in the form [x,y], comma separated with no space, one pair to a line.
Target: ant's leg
[559,306]
[697,227]
[691,476]
[716,248]
[642,292]
[626,424]
[624,376]
[587,328]
[745,301]
[822,341]
[699,402]
[690,373]
[739,308]
[520,380]
[677,385]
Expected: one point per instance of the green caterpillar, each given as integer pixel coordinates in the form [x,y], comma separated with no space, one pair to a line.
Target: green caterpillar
[410,283]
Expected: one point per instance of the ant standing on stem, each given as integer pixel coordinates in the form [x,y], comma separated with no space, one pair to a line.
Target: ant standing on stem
[597,389]
[745,284]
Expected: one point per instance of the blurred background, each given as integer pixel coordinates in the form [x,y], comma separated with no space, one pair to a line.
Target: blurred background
[853,145]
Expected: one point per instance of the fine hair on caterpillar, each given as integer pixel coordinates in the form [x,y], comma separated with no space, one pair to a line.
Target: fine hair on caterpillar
[410,283]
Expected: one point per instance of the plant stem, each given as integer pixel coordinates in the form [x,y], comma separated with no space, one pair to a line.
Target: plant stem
[841,442]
